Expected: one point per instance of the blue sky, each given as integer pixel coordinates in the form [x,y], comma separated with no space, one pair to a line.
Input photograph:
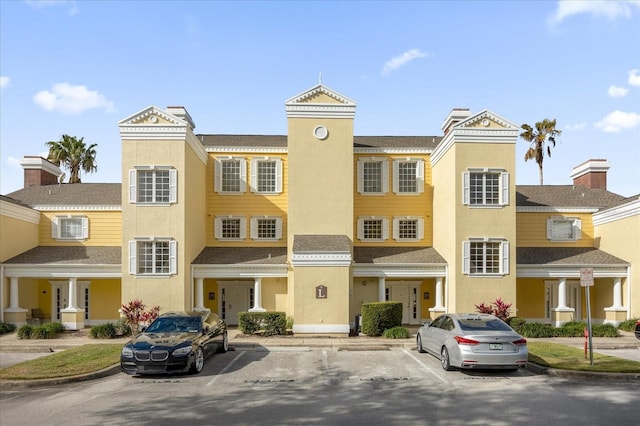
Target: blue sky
[78,67]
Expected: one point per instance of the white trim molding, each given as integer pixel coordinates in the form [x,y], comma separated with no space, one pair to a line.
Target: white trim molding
[16,211]
[321,328]
[623,211]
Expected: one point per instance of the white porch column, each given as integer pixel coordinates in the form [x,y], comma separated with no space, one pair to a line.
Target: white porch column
[562,293]
[439,303]
[617,293]
[381,289]
[199,294]
[72,317]
[73,293]
[14,295]
[257,296]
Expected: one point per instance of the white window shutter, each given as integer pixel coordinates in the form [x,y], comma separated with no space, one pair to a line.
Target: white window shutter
[254,228]
[85,228]
[505,189]
[243,175]
[360,229]
[549,229]
[420,176]
[577,229]
[279,228]
[396,166]
[396,231]
[132,185]
[385,229]
[55,233]
[173,186]
[420,228]
[465,188]
[243,228]
[217,228]
[254,176]
[505,257]
[173,257]
[466,254]
[385,176]
[132,258]
[360,183]
[217,175]
[279,176]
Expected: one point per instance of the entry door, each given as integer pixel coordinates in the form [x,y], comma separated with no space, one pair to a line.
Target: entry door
[407,294]
[60,296]
[235,298]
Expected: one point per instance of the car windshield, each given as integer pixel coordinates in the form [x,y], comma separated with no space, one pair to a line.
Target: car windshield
[483,325]
[175,325]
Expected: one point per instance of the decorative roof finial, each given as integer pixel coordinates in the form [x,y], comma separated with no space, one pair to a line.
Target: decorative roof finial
[320,78]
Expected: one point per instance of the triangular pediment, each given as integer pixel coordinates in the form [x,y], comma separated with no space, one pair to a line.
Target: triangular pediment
[320,94]
[320,102]
[152,116]
[486,119]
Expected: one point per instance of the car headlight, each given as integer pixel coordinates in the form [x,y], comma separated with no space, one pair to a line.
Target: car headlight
[182,351]
[127,352]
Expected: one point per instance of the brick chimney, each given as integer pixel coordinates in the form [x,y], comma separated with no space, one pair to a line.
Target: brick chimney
[591,173]
[455,116]
[39,171]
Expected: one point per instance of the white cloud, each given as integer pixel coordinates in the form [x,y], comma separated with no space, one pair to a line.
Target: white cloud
[14,163]
[617,92]
[402,60]
[4,81]
[597,8]
[41,4]
[634,78]
[617,121]
[69,99]
[577,126]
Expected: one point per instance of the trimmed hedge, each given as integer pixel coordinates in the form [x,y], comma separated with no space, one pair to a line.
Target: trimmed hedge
[570,329]
[265,323]
[628,325]
[380,316]
[49,330]
[7,327]
[396,333]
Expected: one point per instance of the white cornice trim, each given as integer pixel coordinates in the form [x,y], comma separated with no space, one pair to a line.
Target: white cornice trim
[148,111]
[62,271]
[237,149]
[422,151]
[19,212]
[39,163]
[548,209]
[596,166]
[320,88]
[240,271]
[94,208]
[196,146]
[569,271]
[295,107]
[320,259]
[617,213]
[146,131]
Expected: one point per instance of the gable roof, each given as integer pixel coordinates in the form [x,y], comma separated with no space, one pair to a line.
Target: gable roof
[76,194]
[565,196]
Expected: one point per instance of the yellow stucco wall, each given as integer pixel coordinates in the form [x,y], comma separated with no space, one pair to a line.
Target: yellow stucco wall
[330,311]
[17,236]
[105,228]
[532,230]
[530,298]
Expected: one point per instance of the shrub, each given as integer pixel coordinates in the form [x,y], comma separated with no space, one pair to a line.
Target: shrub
[134,314]
[103,331]
[396,333]
[6,327]
[628,325]
[379,316]
[516,322]
[49,330]
[535,330]
[499,308]
[25,332]
[604,330]
[570,329]
[122,328]
[266,323]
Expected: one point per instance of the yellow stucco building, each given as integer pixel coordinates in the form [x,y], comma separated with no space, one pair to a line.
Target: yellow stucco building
[315,223]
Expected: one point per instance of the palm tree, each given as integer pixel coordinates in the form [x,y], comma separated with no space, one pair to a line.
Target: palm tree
[73,154]
[544,133]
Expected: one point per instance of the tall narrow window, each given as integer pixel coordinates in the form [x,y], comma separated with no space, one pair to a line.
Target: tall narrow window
[373,176]
[153,185]
[266,175]
[230,175]
[485,257]
[408,176]
[151,256]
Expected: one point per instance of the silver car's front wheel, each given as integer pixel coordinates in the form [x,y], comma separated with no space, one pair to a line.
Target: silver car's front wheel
[419,342]
[444,359]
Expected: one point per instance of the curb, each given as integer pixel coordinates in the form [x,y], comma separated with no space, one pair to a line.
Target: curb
[25,384]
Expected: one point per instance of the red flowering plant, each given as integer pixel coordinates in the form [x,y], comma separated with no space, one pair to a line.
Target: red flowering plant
[134,314]
[498,308]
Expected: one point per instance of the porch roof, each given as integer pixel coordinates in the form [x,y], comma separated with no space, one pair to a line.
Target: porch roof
[397,255]
[582,256]
[241,255]
[78,255]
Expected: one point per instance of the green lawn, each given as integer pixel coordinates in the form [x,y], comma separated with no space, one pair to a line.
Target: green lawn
[569,358]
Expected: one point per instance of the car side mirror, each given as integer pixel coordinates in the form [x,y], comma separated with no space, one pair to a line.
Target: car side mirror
[427,323]
[206,329]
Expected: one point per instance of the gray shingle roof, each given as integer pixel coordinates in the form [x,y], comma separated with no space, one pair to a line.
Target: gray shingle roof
[565,256]
[429,142]
[238,255]
[397,255]
[77,194]
[78,255]
[565,196]
[321,243]
[12,201]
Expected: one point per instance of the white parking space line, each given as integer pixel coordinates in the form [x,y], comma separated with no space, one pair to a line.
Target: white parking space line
[426,367]
[225,369]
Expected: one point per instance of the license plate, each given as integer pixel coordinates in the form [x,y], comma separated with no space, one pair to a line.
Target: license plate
[495,346]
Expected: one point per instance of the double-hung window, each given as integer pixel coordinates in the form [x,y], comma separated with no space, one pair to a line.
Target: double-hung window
[486,187]
[485,256]
[152,256]
[153,185]
[266,175]
[70,228]
[564,228]
[230,175]
[230,228]
[408,228]
[373,176]
[408,176]
[266,228]
[373,228]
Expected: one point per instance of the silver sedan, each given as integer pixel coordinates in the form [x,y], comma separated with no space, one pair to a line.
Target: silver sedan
[473,341]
